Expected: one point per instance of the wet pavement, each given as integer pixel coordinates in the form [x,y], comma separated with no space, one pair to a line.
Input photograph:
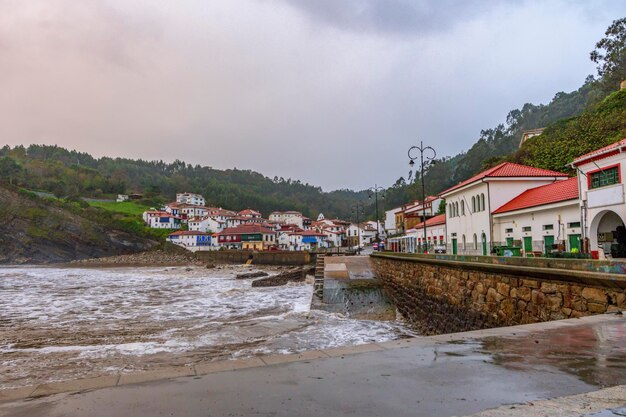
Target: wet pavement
[447,375]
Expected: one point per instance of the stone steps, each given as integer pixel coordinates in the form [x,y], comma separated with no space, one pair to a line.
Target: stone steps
[319,276]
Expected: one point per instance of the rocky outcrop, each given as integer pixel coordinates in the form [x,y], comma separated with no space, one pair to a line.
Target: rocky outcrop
[248,275]
[293,275]
[32,231]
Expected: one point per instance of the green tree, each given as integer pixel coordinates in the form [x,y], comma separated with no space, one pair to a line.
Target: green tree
[610,54]
[9,168]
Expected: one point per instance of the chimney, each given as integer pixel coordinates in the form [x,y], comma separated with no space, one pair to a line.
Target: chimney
[622,85]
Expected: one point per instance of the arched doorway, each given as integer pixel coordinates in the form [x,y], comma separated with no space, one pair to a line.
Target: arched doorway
[604,232]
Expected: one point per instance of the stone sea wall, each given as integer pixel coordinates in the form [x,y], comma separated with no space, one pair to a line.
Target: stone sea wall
[444,296]
[258,258]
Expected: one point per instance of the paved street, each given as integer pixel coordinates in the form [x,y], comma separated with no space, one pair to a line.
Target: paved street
[446,375]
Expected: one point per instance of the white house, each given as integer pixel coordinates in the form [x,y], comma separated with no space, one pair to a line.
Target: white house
[122,197]
[312,240]
[190,198]
[192,241]
[539,220]
[161,220]
[390,220]
[469,204]
[600,179]
[249,213]
[206,224]
[288,217]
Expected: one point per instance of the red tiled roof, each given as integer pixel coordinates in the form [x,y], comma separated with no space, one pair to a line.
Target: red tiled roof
[545,194]
[607,149]
[245,229]
[187,233]
[311,233]
[510,170]
[249,211]
[433,221]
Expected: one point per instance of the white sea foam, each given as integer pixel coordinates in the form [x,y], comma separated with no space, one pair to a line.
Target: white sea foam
[103,318]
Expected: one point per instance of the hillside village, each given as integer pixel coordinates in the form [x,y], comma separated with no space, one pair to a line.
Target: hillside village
[507,210]
[202,228]
[518,210]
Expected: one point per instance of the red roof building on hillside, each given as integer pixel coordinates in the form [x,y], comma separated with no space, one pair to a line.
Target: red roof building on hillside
[545,194]
[507,170]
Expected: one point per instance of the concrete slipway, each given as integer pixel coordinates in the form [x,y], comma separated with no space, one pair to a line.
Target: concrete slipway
[564,368]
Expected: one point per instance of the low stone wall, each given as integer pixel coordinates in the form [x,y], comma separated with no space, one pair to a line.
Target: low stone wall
[450,295]
[258,258]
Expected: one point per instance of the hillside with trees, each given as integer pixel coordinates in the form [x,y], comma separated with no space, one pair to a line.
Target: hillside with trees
[576,122]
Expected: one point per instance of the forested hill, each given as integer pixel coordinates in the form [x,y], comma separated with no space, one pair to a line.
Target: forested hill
[66,173]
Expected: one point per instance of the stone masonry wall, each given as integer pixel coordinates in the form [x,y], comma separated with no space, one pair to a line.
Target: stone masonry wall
[445,299]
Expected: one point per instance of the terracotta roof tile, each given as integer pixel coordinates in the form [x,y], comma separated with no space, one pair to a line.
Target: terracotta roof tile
[539,196]
[433,221]
[607,149]
[510,170]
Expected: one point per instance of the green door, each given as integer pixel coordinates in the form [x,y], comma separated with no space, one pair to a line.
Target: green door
[528,244]
[509,241]
[548,241]
[484,239]
[574,242]
[454,246]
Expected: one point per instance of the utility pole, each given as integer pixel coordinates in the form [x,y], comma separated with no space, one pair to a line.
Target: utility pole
[374,191]
[358,226]
[429,160]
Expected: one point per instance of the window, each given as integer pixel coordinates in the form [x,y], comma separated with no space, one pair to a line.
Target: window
[463,207]
[548,227]
[482,202]
[508,230]
[464,243]
[456,208]
[573,225]
[473,204]
[526,229]
[608,176]
[475,242]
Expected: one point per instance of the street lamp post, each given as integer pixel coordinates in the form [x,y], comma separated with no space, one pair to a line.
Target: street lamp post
[424,152]
[374,191]
[356,208]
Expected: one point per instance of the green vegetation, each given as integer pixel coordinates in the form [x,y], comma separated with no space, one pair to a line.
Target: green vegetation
[601,125]
[130,208]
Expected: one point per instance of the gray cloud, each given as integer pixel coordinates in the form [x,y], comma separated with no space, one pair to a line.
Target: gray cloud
[332,93]
[402,17]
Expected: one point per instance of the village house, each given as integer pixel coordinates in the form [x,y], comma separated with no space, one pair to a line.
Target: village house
[539,220]
[190,198]
[413,241]
[390,221]
[191,240]
[288,217]
[601,186]
[161,220]
[248,237]
[469,204]
[420,211]
[249,213]
[205,224]
[313,240]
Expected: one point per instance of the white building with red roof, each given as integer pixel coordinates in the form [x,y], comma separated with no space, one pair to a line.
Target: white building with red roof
[157,219]
[540,219]
[414,242]
[192,240]
[190,198]
[600,178]
[250,213]
[288,217]
[470,203]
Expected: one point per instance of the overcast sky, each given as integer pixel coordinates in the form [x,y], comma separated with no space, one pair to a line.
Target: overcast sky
[332,92]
